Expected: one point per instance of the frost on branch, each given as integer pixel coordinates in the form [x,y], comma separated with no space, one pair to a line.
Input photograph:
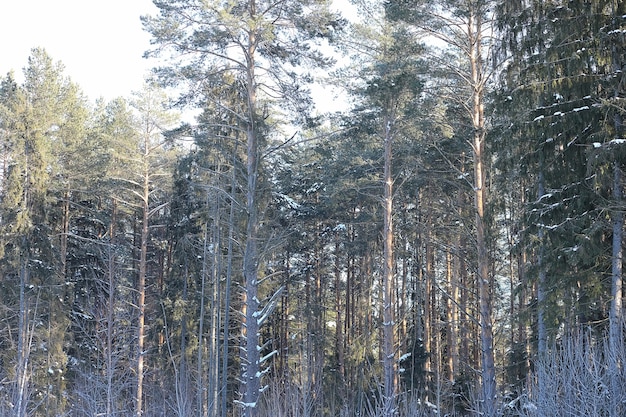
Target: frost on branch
[268,309]
[269,355]
[244,404]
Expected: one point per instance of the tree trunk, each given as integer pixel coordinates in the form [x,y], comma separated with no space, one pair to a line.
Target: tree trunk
[464,322]
[201,409]
[339,322]
[23,348]
[65,229]
[216,273]
[451,316]
[251,372]
[541,282]
[474,32]
[319,319]
[141,285]
[349,314]
[427,307]
[110,311]
[182,389]
[227,290]
[615,317]
[284,324]
[389,359]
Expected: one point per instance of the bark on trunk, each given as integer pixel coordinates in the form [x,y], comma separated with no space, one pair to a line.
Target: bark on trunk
[389,360]
[339,324]
[616,270]
[200,391]
[251,373]
[23,348]
[141,286]
[428,319]
[480,187]
[110,374]
[615,317]
[227,295]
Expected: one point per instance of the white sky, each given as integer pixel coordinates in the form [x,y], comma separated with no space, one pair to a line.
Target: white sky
[100,42]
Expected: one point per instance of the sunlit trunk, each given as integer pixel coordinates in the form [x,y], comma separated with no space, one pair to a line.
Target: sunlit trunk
[474,33]
[389,354]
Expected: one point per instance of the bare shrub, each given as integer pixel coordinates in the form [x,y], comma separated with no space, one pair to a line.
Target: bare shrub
[287,400]
[291,400]
[581,377]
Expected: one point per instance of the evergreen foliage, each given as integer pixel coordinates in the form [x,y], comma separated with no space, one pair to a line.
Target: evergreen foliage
[260,260]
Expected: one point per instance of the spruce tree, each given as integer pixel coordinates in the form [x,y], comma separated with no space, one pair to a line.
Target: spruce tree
[40,117]
[554,87]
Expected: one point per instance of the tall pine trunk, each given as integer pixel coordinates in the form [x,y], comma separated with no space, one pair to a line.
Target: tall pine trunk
[141,283]
[339,328]
[251,372]
[541,282]
[110,311]
[23,346]
[389,359]
[426,310]
[200,381]
[474,33]
[216,272]
[615,315]
[227,290]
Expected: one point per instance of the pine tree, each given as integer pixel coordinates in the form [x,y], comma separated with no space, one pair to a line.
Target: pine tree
[464,30]
[150,164]
[255,43]
[387,109]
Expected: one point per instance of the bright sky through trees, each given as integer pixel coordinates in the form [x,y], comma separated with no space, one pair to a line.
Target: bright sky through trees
[450,242]
[100,42]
